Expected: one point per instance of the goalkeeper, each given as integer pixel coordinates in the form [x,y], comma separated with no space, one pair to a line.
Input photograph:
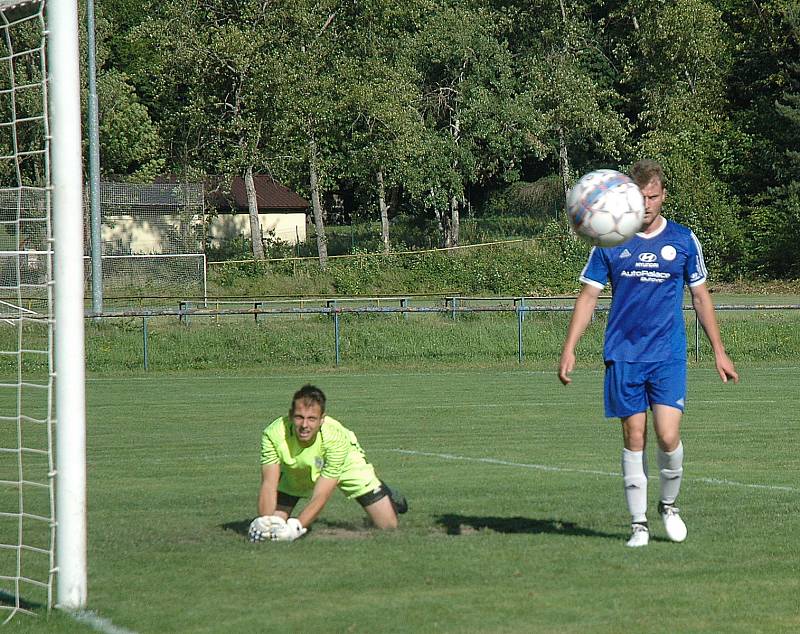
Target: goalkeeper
[308,454]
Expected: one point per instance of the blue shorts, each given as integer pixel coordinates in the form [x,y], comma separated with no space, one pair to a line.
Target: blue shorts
[632,388]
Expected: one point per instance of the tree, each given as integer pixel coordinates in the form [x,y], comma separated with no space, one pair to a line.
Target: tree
[130,142]
[474,130]
[675,61]
[212,87]
[567,78]
[774,223]
[381,114]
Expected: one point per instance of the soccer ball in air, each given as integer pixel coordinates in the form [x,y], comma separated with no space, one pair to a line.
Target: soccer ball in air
[605,207]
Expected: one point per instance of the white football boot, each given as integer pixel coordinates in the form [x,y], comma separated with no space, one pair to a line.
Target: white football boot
[640,536]
[673,524]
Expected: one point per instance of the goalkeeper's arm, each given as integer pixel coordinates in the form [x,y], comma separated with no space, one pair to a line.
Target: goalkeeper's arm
[323,489]
[268,494]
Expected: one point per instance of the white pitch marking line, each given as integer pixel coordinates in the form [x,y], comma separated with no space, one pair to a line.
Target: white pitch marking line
[730,400]
[99,623]
[541,467]
[506,463]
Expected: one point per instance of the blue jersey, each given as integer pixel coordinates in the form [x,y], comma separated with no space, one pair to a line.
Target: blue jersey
[647,275]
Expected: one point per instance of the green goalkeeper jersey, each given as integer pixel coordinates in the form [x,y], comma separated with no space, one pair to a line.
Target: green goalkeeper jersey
[335,453]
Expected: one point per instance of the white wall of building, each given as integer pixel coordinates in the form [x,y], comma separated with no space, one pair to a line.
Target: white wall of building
[289,227]
[149,235]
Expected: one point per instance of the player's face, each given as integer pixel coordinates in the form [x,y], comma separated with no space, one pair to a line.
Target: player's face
[307,419]
[654,194]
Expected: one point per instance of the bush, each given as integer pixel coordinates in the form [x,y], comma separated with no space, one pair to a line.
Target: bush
[547,265]
[541,199]
[772,236]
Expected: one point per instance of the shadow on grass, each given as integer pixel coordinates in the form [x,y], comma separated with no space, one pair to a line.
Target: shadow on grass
[467,524]
[239,526]
[9,600]
[453,525]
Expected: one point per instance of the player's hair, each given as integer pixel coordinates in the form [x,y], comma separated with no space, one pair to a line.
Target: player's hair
[309,394]
[646,170]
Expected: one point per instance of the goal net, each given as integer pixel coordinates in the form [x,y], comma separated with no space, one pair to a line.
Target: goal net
[152,239]
[27,503]
[148,275]
[42,492]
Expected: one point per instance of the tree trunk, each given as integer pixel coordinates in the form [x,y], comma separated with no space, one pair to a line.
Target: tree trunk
[319,223]
[252,208]
[384,208]
[454,221]
[443,220]
[563,160]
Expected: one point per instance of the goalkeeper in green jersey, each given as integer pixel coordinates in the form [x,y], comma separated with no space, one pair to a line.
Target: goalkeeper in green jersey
[308,454]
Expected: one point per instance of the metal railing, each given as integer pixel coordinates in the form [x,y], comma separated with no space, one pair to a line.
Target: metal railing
[452,306]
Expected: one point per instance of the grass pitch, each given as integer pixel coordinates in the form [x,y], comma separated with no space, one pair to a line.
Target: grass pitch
[517,521]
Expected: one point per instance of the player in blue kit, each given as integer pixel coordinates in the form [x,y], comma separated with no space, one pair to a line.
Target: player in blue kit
[645,345]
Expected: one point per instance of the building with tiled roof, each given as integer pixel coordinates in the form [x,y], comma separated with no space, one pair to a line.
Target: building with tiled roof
[271,196]
[282,213]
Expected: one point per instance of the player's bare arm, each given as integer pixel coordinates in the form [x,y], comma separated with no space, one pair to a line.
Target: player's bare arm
[581,316]
[704,307]
[323,489]
[268,493]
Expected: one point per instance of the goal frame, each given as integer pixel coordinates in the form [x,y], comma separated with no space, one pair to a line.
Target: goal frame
[63,103]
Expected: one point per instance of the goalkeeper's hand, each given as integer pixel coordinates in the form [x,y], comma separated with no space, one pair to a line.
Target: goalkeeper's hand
[290,531]
[263,528]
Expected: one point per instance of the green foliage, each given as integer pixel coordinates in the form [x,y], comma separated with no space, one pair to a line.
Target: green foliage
[129,141]
[240,248]
[494,228]
[22,135]
[548,265]
[282,342]
[453,101]
[773,235]
[543,198]
[356,275]
[706,206]
[774,225]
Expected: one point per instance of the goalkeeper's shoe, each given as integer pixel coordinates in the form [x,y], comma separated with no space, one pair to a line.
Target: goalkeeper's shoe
[399,501]
[673,524]
[640,535]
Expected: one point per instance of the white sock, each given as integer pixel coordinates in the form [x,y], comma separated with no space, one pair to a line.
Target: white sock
[670,470]
[635,480]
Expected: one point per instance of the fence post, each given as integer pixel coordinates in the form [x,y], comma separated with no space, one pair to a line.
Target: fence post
[184,317]
[336,334]
[520,317]
[144,344]
[257,306]
[404,304]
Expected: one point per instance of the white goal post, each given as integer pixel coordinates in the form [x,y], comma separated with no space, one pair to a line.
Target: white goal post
[67,209]
[42,367]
